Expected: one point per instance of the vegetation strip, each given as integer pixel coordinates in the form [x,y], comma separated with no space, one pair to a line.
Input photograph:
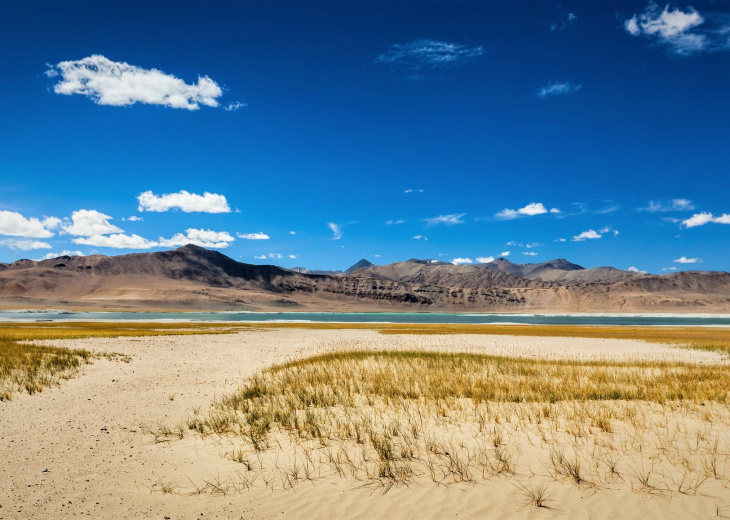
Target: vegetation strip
[390,418]
[26,366]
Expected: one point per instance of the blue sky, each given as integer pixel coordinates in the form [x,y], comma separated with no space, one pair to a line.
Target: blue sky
[342,130]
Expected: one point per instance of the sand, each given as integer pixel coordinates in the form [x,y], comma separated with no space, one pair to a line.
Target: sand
[80,450]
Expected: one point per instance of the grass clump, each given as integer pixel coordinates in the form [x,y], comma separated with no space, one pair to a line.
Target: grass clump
[392,417]
[30,367]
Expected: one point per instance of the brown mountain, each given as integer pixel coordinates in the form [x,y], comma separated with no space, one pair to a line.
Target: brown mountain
[195,278]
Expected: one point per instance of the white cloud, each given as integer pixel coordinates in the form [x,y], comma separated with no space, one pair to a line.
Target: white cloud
[484,259]
[118,83]
[133,218]
[24,245]
[554,210]
[261,257]
[567,19]
[635,270]
[533,208]
[293,256]
[533,245]
[273,255]
[504,254]
[685,260]
[16,225]
[88,222]
[586,235]
[116,241]
[462,261]
[420,54]
[235,107]
[292,232]
[700,219]
[669,205]
[253,236]
[669,268]
[394,222]
[417,190]
[199,237]
[558,89]
[514,244]
[336,230]
[673,28]
[561,240]
[448,220]
[529,253]
[421,237]
[49,256]
[187,202]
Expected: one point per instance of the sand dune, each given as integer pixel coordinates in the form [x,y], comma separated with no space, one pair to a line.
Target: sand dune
[80,450]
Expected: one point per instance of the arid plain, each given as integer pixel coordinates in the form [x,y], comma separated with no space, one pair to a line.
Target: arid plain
[499,422]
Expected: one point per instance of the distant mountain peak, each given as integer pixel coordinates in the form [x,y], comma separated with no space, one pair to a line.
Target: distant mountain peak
[362,264]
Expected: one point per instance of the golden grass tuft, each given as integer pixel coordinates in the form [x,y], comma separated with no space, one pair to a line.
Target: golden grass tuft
[390,418]
[27,366]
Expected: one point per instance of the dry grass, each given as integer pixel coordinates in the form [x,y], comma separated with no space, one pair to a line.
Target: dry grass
[392,418]
[27,366]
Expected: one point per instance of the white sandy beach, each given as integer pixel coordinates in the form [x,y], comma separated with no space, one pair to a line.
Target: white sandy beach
[79,450]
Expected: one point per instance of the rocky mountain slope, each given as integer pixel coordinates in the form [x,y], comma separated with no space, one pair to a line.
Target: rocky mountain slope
[191,277]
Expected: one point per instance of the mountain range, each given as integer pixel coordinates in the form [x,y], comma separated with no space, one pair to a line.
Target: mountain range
[194,278]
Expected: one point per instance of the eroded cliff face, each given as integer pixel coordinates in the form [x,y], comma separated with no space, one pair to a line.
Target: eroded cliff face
[193,277]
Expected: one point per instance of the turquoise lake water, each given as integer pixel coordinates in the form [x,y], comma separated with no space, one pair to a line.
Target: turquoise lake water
[376,317]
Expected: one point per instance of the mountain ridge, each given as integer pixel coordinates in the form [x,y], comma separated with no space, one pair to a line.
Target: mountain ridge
[195,278]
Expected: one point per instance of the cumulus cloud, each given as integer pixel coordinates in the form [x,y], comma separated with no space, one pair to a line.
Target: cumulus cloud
[49,256]
[533,208]
[587,235]
[293,256]
[116,83]
[199,237]
[272,255]
[504,254]
[133,218]
[429,54]
[187,202]
[292,232]
[685,260]
[336,230]
[88,222]
[668,205]
[484,259]
[700,219]
[16,225]
[447,220]
[462,261]
[116,241]
[24,245]
[558,89]
[529,253]
[253,236]
[678,30]
[635,270]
